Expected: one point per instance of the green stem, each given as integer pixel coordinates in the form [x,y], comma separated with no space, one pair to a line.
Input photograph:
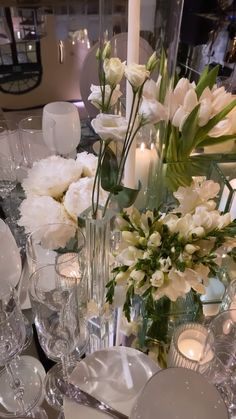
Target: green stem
[97,179]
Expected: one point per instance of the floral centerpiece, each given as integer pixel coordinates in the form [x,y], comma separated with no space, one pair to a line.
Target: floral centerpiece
[162,257]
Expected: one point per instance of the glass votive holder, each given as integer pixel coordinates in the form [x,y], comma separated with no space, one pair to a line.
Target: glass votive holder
[190,347]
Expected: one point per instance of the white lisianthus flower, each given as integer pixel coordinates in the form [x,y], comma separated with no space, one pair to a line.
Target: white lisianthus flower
[40,210]
[154,240]
[96,95]
[114,70]
[79,195]
[110,127]
[152,111]
[136,74]
[88,162]
[51,176]
[157,279]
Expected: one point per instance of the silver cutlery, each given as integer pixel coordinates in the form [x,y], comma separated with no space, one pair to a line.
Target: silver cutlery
[81,397]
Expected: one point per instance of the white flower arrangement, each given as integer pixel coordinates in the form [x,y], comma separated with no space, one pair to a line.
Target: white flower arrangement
[167,255]
[58,190]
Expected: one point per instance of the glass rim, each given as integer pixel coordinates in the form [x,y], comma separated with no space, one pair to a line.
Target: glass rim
[76,229]
[29,118]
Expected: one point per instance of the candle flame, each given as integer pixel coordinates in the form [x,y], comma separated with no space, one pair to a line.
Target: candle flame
[142,146]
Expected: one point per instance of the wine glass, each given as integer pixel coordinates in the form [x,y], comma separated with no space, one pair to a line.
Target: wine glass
[222,370]
[21,386]
[54,295]
[32,139]
[67,128]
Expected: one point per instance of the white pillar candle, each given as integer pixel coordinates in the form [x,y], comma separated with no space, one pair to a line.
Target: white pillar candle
[132,57]
[224,198]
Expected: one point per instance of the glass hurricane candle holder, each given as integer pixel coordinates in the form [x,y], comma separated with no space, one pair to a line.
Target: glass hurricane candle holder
[225,174]
[187,348]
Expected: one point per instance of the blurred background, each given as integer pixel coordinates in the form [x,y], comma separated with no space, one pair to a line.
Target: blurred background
[45,45]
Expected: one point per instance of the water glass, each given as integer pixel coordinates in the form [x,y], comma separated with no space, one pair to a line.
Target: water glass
[8,175]
[67,127]
[55,303]
[32,139]
[47,244]
[10,142]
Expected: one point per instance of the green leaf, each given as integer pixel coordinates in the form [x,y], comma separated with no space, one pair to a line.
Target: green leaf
[217,140]
[207,79]
[127,196]
[203,131]
[109,170]
[189,130]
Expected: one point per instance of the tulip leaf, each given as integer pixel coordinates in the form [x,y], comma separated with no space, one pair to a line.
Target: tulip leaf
[203,131]
[189,130]
[207,79]
[217,140]
[127,196]
[109,170]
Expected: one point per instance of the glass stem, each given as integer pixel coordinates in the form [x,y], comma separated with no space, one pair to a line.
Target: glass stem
[17,387]
[65,361]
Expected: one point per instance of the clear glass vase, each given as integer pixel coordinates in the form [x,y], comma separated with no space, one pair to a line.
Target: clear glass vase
[156,330]
[98,250]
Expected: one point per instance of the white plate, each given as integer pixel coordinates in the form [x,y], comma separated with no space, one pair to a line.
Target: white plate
[115,375]
[10,259]
[179,393]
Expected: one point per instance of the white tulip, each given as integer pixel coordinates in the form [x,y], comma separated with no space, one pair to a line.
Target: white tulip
[204,112]
[206,95]
[179,117]
[136,74]
[114,70]
[110,127]
[152,111]
[223,127]
[190,101]
[221,101]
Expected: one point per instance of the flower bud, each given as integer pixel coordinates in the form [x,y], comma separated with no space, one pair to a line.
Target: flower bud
[106,53]
[152,62]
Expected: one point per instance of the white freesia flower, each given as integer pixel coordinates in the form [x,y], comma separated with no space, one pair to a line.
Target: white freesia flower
[157,279]
[137,275]
[88,162]
[51,176]
[171,221]
[154,240]
[110,127]
[130,238]
[136,74]
[114,70]
[129,255]
[78,197]
[96,95]
[152,111]
[198,193]
[165,264]
[190,249]
[40,210]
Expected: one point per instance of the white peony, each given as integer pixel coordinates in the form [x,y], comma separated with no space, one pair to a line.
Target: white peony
[51,176]
[40,210]
[110,127]
[88,162]
[79,197]
[96,95]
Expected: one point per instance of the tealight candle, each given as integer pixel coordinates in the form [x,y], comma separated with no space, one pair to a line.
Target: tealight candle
[67,265]
[190,347]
